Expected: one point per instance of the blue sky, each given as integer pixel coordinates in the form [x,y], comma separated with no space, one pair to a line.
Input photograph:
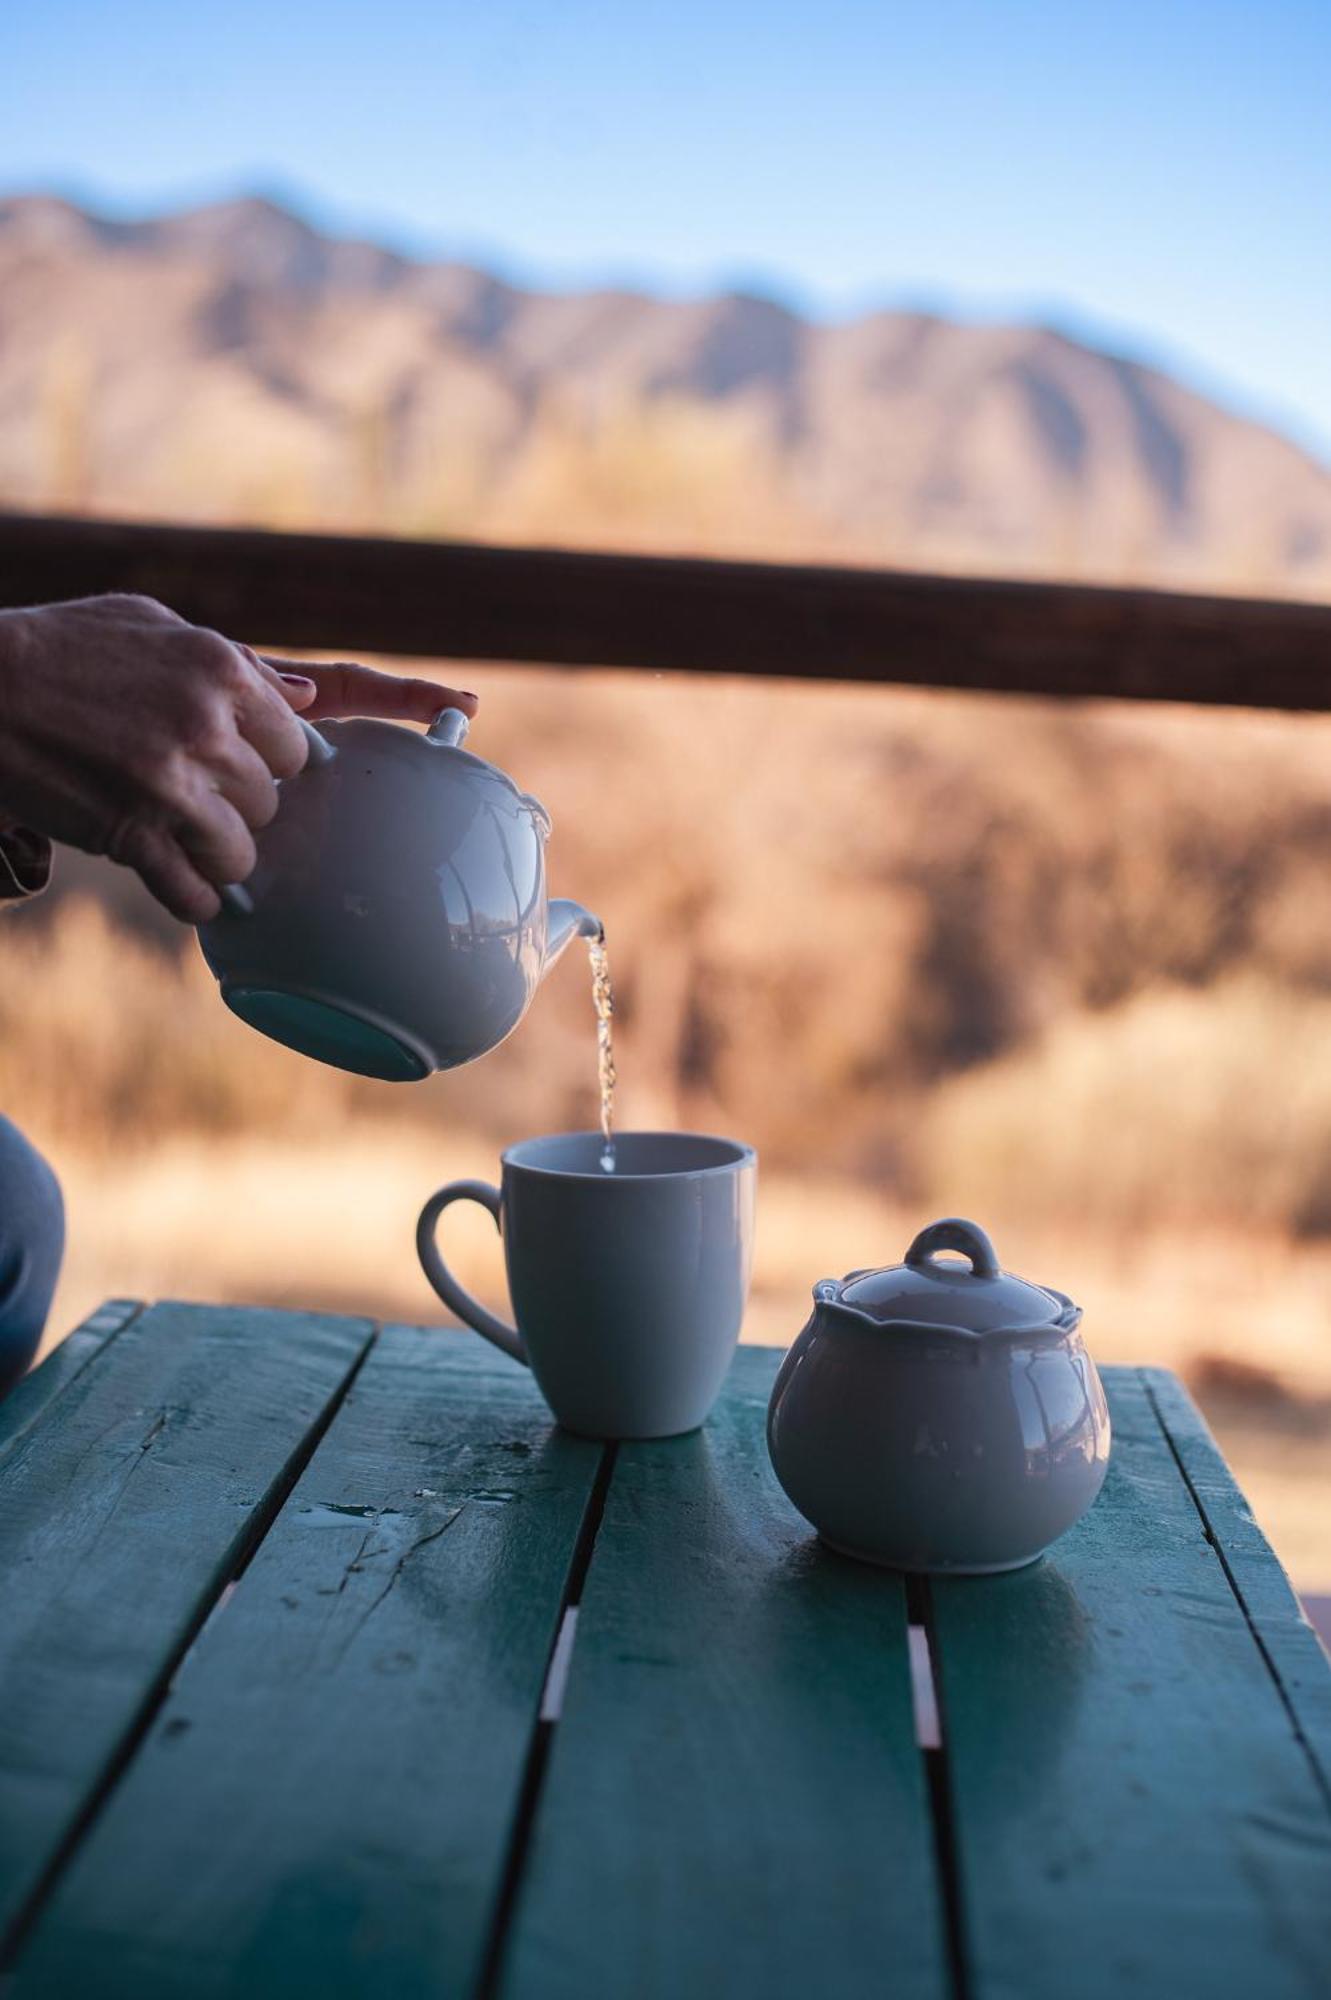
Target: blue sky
[1155,175]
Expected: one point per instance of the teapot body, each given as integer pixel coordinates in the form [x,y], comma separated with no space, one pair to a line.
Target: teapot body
[933,1448]
[397,921]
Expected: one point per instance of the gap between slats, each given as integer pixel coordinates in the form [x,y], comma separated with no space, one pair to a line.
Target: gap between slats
[551,1708]
[257,1528]
[556,1680]
[87,1342]
[926,1710]
[930,1735]
[923,1689]
[1300,1734]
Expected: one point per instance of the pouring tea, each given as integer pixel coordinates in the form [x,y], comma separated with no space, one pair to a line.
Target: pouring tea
[397,921]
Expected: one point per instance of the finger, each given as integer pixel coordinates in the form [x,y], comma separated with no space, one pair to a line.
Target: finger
[266,720]
[297,690]
[167,872]
[242,777]
[348,689]
[216,838]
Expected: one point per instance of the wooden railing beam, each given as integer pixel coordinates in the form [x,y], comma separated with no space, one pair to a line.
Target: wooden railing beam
[461,600]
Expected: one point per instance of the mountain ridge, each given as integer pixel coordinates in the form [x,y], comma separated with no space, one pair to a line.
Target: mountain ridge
[234,361]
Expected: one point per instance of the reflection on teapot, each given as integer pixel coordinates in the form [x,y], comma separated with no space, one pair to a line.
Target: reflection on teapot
[396,922]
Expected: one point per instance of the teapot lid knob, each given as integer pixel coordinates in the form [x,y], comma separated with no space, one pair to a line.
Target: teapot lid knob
[449,728]
[955,1233]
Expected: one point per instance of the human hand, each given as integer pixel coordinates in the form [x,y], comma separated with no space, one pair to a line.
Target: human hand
[126,731]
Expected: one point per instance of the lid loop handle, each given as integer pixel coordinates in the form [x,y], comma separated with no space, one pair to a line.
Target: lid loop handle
[449,728]
[955,1233]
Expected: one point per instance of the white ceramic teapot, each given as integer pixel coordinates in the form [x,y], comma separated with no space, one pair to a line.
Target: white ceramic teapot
[397,921]
[937,1416]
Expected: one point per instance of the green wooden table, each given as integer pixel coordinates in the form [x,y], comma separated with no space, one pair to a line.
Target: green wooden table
[329,1667]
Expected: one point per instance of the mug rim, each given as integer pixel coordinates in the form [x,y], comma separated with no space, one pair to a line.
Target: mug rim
[742,1155]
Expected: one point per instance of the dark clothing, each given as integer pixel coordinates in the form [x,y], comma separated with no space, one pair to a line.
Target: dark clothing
[32,1213]
[32,1241]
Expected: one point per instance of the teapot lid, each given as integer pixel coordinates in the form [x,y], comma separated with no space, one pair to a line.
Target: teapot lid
[980,1298]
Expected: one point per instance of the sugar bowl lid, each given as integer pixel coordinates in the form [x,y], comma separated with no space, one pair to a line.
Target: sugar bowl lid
[974,1298]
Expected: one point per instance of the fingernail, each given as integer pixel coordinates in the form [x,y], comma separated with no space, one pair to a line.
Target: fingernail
[298,680]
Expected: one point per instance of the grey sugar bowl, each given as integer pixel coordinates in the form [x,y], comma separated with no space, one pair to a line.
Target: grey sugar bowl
[940,1416]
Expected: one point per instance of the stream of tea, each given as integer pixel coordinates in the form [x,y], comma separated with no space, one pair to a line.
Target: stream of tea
[603,999]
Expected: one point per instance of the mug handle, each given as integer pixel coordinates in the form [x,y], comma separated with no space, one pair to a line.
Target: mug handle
[436,1270]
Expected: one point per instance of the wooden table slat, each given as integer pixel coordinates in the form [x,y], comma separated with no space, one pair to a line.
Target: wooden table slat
[28,1402]
[324,1804]
[122,1514]
[735,1803]
[1292,1648]
[1132,1810]
[346,1783]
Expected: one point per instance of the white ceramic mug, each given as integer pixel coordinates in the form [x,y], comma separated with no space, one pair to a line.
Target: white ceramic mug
[628,1288]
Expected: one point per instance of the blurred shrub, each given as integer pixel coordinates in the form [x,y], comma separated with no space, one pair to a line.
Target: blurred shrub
[1180,1106]
[108,1040]
[930,942]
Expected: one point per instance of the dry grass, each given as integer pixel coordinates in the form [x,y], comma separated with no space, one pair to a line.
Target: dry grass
[1067,970]
[1145,1158]
[1180,1107]
[109,1042]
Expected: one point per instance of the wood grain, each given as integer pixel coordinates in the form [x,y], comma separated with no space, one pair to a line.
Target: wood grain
[467,601]
[734,1803]
[324,1803]
[348,1768]
[122,1514]
[1293,1650]
[1131,1808]
[29,1400]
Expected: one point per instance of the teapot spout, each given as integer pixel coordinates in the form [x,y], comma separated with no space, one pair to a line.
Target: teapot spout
[567,921]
